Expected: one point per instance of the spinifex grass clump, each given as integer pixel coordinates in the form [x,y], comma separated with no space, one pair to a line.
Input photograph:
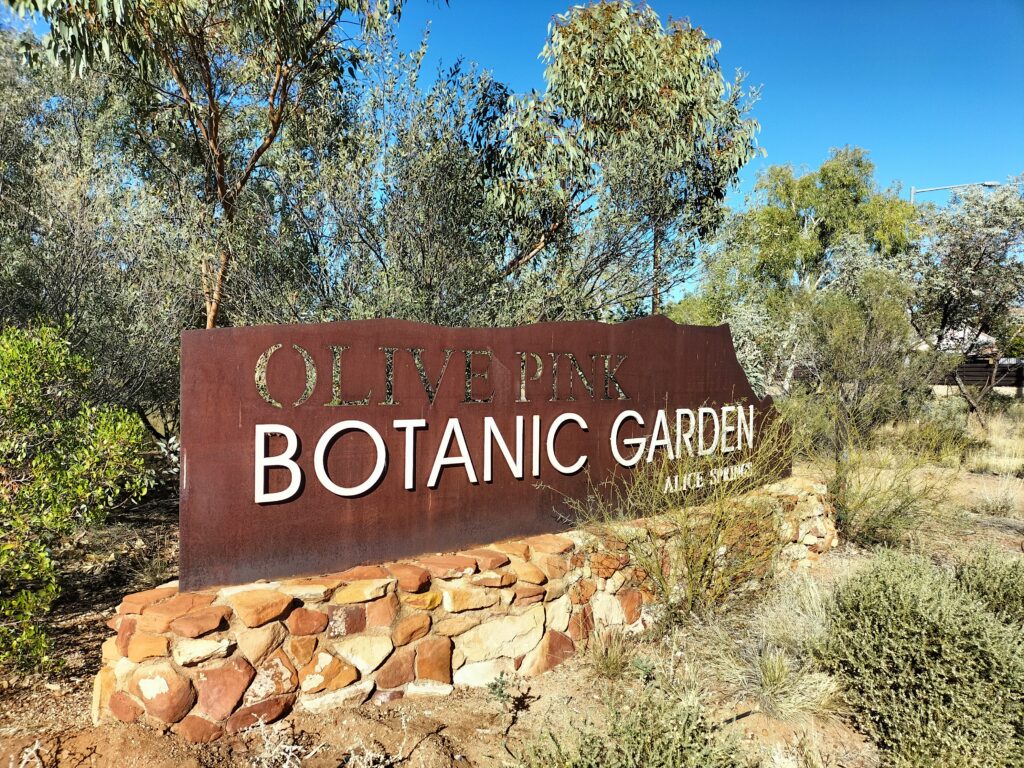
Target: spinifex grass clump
[686,528]
[933,677]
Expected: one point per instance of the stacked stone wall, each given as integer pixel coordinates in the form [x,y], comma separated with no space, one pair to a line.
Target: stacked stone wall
[216,661]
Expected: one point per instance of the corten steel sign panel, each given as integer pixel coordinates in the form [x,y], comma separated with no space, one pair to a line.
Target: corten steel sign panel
[312,448]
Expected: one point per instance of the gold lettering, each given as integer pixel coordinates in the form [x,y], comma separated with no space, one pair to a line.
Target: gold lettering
[471,375]
[336,396]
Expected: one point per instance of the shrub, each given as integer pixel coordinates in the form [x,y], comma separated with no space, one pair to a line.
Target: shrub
[933,677]
[656,730]
[998,582]
[64,464]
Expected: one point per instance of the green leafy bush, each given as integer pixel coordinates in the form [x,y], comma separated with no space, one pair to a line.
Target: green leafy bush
[932,676]
[64,464]
[656,730]
[998,582]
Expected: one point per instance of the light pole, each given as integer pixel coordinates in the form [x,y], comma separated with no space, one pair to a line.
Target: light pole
[990,184]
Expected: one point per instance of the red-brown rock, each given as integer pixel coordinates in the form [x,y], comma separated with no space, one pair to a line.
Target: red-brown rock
[449,566]
[134,603]
[487,559]
[124,633]
[581,624]
[304,621]
[398,670]
[274,677]
[631,601]
[411,578]
[494,579]
[164,693]
[581,592]
[158,616]
[124,707]
[301,649]
[361,572]
[221,688]
[527,594]
[256,607]
[411,628]
[382,611]
[549,543]
[201,621]
[346,620]
[267,710]
[604,565]
[434,660]
[197,730]
[144,646]
[518,549]
[553,649]
[553,566]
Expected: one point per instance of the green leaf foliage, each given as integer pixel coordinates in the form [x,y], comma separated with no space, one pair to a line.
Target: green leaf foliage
[64,465]
[934,678]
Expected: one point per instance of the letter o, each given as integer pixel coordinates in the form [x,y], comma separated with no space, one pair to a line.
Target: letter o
[320,458]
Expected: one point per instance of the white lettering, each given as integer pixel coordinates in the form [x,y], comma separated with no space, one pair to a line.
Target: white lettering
[281,460]
[323,447]
[640,442]
[553,433]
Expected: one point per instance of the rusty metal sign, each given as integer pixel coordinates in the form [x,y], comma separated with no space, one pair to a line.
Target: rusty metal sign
[313,448]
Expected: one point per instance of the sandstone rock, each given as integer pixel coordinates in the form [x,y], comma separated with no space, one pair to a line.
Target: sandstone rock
[257,644]
[301,649]
[607,610]
[553,649]
[103,688]
[124,668]
[506,597]
[553,566]
[109,652]
[631,601]
[526,594]
[198,730]
[518,549]
[346,620]
[557,614]
[136,602]
[166,695]
[482,673]
[380,698]
[554,590]
[363,573]
[221,688]
[425,601]
[509,636]
[303,621]
[366,652]
[224,594]
[456,625]
[123,707]
[143,646]
[411,578]
[326,672]
[550,544]
[187,652]
[397,670]
[266,711]
[274,677]
[201,621]
[256,607]
[421,688]
[382,611]
[125,630]
[434,660]
[604,565]
[362,591]
[157,617]
[581,624]
[528,572]
[581,592]
[353,695]
[487,559]
[448,566]
[493,579]
[410,628]
[313,590]
[457,599]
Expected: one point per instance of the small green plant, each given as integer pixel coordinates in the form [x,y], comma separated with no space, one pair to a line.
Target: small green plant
[64,464]
[997,581]
[933,677]
[655,729]
[499,690]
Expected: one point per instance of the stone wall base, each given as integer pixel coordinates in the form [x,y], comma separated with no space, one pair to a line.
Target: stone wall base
[216,661]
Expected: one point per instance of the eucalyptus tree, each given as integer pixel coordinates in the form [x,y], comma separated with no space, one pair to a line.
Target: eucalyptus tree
[212,87]
[637,134]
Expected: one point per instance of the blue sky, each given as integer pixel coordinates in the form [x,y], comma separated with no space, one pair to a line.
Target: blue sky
[934,90]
